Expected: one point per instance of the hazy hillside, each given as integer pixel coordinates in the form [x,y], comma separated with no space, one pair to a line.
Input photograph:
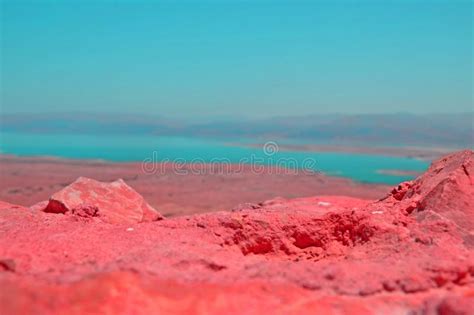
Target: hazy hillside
[453,130]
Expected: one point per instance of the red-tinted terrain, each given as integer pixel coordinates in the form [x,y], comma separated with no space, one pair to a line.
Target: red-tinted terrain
[99,248]
[26,181]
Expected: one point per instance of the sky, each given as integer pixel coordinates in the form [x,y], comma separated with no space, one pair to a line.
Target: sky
[194,59]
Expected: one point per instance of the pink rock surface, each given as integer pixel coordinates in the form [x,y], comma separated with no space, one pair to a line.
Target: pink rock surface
[114,202]
[408,253]
[444,192]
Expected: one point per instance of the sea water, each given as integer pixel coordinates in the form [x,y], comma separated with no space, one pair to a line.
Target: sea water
[128,148]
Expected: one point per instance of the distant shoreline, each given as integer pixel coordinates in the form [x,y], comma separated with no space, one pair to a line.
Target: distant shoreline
[422,153]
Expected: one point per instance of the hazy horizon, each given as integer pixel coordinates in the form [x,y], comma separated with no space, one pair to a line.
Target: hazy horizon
[197,118]
[202,59]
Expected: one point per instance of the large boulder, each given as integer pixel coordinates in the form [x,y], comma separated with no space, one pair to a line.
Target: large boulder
[445,190]
[114,202]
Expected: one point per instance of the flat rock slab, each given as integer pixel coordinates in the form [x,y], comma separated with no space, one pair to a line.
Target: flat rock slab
[114,202]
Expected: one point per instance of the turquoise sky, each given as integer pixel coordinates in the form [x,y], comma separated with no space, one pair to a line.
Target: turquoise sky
[237,58]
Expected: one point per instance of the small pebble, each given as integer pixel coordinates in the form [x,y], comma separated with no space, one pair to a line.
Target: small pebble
[324,203]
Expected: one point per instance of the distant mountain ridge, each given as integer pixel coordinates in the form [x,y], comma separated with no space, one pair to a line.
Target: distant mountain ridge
[453,130]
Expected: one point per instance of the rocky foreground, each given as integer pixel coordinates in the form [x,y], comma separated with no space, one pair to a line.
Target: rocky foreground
[28,180]
[98,248]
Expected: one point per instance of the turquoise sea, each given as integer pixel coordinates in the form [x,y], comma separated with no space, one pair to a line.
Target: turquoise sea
[359,167]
